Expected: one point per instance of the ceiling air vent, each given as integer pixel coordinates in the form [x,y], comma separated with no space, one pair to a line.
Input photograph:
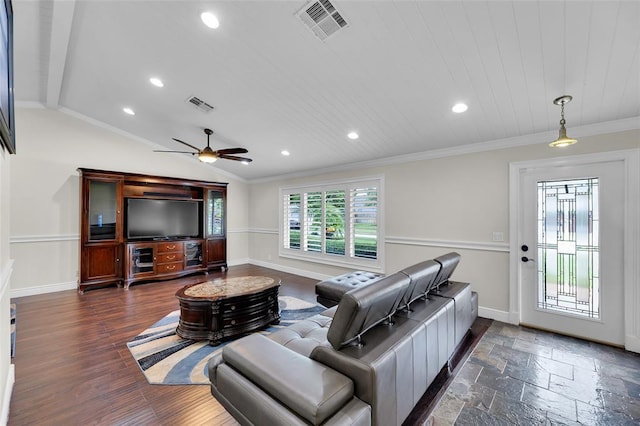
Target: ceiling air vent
[322,18]
[199,103]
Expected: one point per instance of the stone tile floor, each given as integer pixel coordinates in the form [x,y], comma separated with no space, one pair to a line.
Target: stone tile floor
[518,375]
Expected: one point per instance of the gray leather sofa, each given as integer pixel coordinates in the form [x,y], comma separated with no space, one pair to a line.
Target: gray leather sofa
[367,360]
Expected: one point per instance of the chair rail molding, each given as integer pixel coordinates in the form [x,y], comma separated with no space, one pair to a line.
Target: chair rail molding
[24,239]
[263,231]
[468,245]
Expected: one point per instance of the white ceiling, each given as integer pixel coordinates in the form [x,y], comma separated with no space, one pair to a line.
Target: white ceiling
[392,75]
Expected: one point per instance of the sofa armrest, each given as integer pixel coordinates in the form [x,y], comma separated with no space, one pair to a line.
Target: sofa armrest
[212,367]
[308,388]
[356,370]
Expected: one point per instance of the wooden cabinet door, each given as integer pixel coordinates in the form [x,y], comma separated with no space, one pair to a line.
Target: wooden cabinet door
[102,262]
[217,252]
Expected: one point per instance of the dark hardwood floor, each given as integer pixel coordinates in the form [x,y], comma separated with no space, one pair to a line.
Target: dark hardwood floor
[73,366]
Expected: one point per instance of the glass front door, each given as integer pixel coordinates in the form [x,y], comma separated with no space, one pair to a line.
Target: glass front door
[572,250]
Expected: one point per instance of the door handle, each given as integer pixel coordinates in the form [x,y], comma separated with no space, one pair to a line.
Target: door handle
[526,259]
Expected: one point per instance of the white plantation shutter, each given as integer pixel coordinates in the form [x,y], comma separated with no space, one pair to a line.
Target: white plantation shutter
[312,232]
[291,225]
[364,222]
[336,223]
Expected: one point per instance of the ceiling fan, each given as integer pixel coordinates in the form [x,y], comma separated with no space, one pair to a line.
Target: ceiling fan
[207,155]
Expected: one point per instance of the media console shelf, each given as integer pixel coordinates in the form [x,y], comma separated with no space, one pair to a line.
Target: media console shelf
[179,230]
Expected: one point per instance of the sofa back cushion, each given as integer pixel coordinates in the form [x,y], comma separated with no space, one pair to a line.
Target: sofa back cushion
[364,307]
[422,276]
[449,262]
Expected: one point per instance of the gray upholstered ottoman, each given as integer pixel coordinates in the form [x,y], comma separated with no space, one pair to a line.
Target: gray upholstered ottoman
[330,291]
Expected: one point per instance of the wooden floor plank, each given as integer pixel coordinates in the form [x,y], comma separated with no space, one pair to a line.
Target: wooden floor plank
[73,366]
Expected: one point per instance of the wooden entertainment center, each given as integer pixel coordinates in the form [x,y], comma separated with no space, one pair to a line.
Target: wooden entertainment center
[184,233]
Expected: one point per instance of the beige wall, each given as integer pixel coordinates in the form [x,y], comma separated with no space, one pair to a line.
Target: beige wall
[432,207]
[44,202]
[6,368]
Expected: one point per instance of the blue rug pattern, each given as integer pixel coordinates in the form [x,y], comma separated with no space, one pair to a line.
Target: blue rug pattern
[167,359]
[12,308]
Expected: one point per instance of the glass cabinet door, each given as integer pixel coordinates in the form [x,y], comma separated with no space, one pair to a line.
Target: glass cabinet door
[193,253]
[102,210]
[142,259]
[215,214]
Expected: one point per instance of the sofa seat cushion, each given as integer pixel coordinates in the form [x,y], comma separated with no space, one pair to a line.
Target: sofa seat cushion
[303,336]
[331,290]
[308,388]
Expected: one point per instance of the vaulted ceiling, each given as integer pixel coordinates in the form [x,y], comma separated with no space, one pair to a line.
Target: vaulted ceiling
[391,74]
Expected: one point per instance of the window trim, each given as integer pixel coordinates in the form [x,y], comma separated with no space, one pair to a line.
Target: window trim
[345,261]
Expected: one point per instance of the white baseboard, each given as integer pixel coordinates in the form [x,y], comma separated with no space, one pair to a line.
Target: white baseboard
[287,269]
[632,343]
[42,289]
[236,262]
[493,314]
[8,390]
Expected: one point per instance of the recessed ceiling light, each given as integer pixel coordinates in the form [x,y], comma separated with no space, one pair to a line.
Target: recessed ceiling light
[353,135]
[156,82]
[285,152]
[128,110]
[458,108]
[210,20]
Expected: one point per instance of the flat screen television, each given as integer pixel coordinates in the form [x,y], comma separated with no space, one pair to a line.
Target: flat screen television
[162,219]
[7,120]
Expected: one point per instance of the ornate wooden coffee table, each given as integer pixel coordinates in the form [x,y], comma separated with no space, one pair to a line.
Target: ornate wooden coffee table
[225,307]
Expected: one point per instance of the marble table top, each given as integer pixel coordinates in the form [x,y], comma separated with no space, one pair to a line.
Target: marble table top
[221,288]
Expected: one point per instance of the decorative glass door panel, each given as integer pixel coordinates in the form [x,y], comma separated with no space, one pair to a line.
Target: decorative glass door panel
[215,214]
[193,254]
[142,259]
[102,210]
[568,272]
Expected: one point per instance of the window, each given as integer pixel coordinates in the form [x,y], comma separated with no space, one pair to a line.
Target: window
[336,223]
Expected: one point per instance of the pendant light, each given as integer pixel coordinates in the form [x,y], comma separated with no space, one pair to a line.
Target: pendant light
[563,140]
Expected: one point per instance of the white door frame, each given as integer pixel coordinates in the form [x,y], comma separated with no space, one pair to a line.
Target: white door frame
[631,273]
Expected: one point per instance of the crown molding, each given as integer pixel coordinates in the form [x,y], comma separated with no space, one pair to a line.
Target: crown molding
[632,123]
[616,126]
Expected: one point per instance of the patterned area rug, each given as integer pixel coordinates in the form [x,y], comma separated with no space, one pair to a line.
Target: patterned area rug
[167,359]
[12,308]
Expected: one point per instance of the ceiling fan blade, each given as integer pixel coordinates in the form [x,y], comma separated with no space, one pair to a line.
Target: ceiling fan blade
[180,152]
[231,151]
[187,144]
[235,158]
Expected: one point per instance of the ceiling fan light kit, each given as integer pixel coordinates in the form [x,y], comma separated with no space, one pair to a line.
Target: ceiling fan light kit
[208,155]
[563,140]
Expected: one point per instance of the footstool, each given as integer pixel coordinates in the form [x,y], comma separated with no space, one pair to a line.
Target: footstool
[330,291]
